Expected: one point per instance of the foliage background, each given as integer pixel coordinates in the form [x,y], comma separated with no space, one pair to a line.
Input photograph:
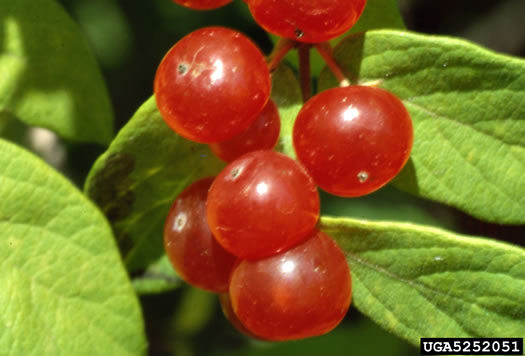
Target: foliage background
[129,38]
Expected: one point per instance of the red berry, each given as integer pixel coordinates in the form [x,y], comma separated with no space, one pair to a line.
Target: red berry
[202,4]
[353,140]
[307,21]
[227,309]
[262,134]
[189,244]
[212,85]
[299,293]
[261,204]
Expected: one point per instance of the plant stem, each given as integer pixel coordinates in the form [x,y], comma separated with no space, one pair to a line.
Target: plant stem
[304,70]
[325,50]
[279,51]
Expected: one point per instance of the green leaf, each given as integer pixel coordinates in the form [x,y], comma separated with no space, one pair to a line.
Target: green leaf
[158,278]
[469,119]
[136,180]
[49,76]
[377,14]
[194,311]
[424,282]
[63,289]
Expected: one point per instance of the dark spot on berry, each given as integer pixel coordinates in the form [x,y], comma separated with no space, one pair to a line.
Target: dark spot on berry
[236,171]
[362,176]
[182,68]
[298,33]
[180,221]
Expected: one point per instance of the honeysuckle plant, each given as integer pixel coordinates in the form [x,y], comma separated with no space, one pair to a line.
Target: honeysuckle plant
[74,261]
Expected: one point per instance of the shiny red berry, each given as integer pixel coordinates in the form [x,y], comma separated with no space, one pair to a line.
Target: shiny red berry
[212,85]
[189,244]
[261,204]
[299,293]
[202,4]
[227,310]
[262,134]
[310,21]
[353,140]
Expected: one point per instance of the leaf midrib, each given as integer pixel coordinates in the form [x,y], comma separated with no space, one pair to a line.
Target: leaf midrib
[419,284]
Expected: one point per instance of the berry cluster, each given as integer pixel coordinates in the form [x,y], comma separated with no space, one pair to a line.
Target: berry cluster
[250,233]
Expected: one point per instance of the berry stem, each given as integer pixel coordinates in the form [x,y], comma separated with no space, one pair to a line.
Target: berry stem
[325,50]
[304,70]
[280,50]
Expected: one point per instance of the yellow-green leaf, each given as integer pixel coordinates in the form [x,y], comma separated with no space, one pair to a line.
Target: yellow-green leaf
[49,77]
[424,282]
[63,288]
